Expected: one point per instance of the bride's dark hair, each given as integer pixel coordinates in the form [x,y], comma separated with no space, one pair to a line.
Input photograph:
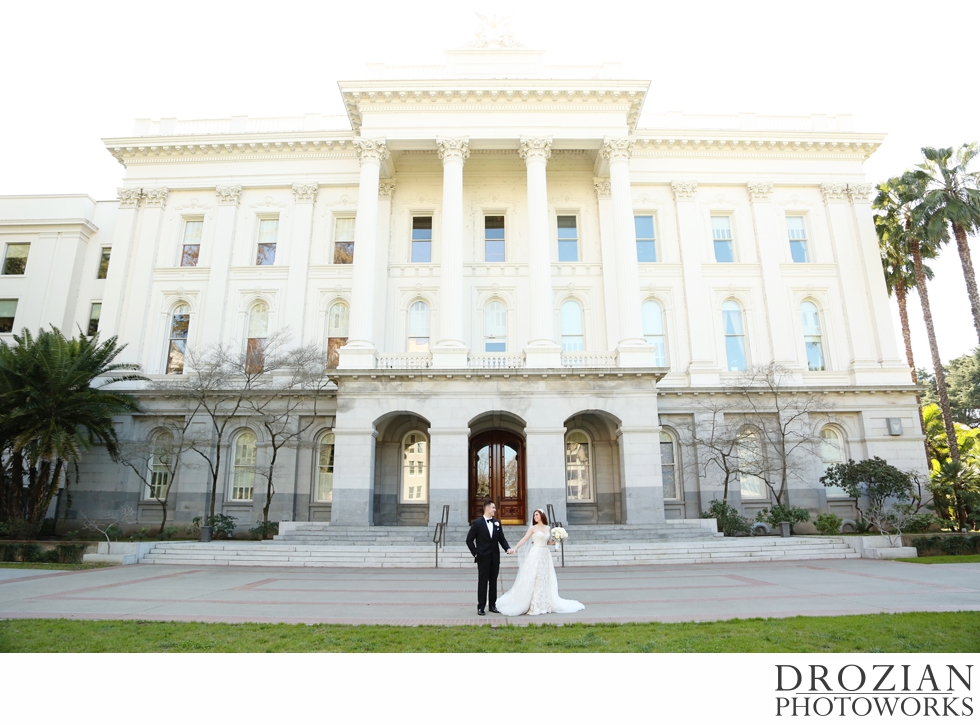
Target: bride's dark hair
[544,519]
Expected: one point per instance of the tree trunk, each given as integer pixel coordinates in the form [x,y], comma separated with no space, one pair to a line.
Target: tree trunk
[270,491]
[971,280]
[921,286]
[163,522]
[903,314]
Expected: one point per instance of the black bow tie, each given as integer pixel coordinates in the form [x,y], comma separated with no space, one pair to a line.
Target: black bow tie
[488,520]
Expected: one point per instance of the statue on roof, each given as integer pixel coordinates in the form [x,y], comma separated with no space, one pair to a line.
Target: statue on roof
[494,32]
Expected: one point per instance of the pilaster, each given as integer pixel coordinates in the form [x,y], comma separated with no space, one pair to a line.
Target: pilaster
[216,310]
[136,304]
[607,250]
[304,196]
[123,239]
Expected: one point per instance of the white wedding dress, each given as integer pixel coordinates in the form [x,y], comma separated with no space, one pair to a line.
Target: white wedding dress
[535,590]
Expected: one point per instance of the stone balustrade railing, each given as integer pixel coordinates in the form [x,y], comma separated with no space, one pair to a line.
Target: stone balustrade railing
[497,361]
[405,361]
[589,360]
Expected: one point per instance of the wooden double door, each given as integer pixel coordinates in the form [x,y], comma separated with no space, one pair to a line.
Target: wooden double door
[497,472]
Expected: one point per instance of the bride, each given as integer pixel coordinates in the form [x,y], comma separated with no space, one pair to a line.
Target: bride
[535,590]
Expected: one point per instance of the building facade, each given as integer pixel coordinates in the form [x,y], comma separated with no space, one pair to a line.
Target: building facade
[524,293]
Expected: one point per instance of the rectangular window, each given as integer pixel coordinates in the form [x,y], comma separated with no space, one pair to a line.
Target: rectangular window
[191,250]
[567,239]
[493,235]
[268,236]
[343,240]
[93,318]
[8,310]
[797,238]
[646,242]
[721,233]
[422,239]
[15,260]
[104,263]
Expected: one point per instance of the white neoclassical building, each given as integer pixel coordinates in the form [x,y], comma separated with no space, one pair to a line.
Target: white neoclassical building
[526,292]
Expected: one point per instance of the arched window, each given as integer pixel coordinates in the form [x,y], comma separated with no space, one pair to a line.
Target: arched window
[324,468]
[750,461]
[258,331]
[415,468]
[812,338]
[180,322]
[160,464]
[243,475]
[653,331]
[578,467]
[668,465]
[731,321]
[338,320]
[572,330]
[418,327]
[495,327]
[831,452]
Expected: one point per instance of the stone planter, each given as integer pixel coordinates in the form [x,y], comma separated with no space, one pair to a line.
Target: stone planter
[205,533]
[785,529]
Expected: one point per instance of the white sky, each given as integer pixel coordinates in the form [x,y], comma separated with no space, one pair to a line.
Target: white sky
[76,72]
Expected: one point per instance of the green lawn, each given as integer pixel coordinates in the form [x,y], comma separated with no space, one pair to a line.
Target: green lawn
[959,559]
[39,565]
[908,632]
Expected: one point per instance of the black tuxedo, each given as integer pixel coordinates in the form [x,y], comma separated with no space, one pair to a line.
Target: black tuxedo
[486,550]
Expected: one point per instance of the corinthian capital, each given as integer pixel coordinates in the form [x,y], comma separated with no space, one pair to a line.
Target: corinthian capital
[371,149]
[684,190]
[386,187]
[760,192]
[129,198]
[155,197]
[617,149]
[305,192]
[834,192]
[859,192]
[535,149]
[603,187]
[229,194]
[453,149]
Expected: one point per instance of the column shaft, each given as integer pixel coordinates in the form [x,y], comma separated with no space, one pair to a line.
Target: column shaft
[216,313]
[135,320]
[450,350]
[299,260]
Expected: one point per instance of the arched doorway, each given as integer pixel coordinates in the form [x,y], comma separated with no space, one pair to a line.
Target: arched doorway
[497,472]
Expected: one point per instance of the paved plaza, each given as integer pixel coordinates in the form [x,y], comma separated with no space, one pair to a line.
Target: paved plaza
[447,596]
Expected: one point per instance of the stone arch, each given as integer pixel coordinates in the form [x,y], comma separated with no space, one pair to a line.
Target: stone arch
[390,508]
[604,505]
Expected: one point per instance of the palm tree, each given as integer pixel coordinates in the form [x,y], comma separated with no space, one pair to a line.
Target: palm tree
[952,199]
[56,405]
[898,201]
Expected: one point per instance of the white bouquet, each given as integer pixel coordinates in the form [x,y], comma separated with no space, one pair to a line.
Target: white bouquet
[559,534]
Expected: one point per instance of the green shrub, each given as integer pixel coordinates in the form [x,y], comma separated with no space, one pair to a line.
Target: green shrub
[222,526]
[953,545]
[69,553]
[141,534]
[30,552]
[730,522]
[780,513]
[4,529]
[72,535]
[169,532]
[829,524]
[917,523]
[114,533]
[21,529]
[8,552]
[48,556]
[265,529]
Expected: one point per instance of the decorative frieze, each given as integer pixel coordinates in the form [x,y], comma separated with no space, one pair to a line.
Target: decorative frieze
[453,149]
[684,190]
[229,194]
[834,192]
[129,198]
[386,187]
[305,192]
[859,193]
[615,149]
[371,150]
[603,187]
[156,197]
[760,192]
[535,149]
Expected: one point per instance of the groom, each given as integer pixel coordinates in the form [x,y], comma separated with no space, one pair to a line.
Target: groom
[485,536]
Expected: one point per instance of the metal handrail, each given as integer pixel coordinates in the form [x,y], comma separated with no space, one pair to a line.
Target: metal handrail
[439,535]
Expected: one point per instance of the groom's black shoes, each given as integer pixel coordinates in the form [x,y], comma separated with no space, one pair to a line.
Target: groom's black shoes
[481,612]
[494,610]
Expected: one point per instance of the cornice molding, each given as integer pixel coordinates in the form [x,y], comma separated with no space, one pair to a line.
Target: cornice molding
[129,150]
[305,192]
[129,198]
[617,149]
[155,197]
[453,149]
[860,193]
[386,187]
[843,145]
[603,187]
[759,192]
[371,150]
[833,192]
[535,149]
[684,190]
[229,194]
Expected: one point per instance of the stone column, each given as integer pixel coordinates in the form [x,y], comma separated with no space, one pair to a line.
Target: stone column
[545,451]
[299,260]
[386,189]
[607,250]
[450,351]
[853,283]
[768,237]
[449,474]
[359,351]
[135,320]
[704,368]
[632,347]
[353,491]
[123,238]
[216,314]
[640,475]
[542,351]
